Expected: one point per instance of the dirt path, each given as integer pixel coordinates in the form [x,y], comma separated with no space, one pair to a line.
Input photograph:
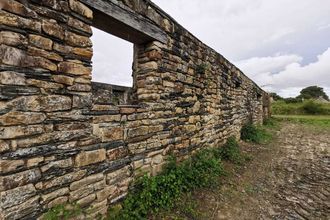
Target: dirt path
[288,179]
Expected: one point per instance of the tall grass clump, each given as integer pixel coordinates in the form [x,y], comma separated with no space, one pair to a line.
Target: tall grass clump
[254,134]
[152,194]
[231,151]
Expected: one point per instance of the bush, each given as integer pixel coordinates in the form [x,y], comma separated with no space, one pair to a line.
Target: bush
[230,151]
[162,191]
[252,133]
[313,108]
[65,211]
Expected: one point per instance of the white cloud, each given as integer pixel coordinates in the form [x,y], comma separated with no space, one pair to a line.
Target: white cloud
[277,40]
[112,59]
[286,75]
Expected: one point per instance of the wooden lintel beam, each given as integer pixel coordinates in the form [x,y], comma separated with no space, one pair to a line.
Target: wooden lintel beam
[123,23]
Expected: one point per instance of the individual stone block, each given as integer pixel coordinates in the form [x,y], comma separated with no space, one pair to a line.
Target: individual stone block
[47,103]
[18,8]
[41,42]
[43,84]
[65,179]
[57,164]
[4,146]
[63,79]
[12,78]
[32,51]
[86,181]
[12,39]
[81,9]
[111,134]
[77,40]
[86,200]
[51,28]
[90,157]
[22,118]
[10,165]
[53,195]
[106,193]
[74,68]
[21,131]
[19,179]
[117,153]
[16,196]
[19,22]
[79,25]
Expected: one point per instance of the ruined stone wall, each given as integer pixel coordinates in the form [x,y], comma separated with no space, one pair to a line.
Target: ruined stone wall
[59,143]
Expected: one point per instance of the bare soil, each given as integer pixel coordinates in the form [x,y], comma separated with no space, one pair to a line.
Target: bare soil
[286,179]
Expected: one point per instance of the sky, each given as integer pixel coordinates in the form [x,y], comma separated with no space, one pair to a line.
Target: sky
[282,45]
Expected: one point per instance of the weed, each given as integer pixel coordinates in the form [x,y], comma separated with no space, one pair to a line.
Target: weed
[230,151]
[151,194]
[201,68]
[255,134]
[64,211]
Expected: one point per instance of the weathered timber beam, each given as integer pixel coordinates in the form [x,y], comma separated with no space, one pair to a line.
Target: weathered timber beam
[122,23]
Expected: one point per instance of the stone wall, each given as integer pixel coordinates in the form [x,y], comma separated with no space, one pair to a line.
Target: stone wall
[61,143]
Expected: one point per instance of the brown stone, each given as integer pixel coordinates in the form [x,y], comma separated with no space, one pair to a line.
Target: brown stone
[18,8]
[42,53]
[41,42]
[112,134]
[21,131]
[12,39]
[86,200]
[53,195]
[58,201]
[86,181]
[63,79]
[39,62]
[11,56]
[16,196]
[106,193]
[4,146]
[139,131]
[74,68]
[81,193]
[10,165]
[47,103]
[81,9]
[51,28]
[106,118]
[19,22]
[57,164]
[127,110]
[34,161]
[20,211]
[75,23]
[19,179]
[65,179]
[83,52]
[117,153]
[90,157]
[80,87]
[77,40]
[43,84]
[12,78]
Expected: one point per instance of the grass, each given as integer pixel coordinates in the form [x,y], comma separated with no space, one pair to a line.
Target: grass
[257,134]
[307,107]
[321,121]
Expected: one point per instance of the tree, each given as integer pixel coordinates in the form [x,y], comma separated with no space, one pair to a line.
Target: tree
[313,92]
[275,96]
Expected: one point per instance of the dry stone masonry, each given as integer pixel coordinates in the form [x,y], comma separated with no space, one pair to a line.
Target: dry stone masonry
[66,140]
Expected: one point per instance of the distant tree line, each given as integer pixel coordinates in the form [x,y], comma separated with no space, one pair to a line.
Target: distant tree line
[311,92]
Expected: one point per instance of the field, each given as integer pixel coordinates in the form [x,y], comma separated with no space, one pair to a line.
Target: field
[300,108]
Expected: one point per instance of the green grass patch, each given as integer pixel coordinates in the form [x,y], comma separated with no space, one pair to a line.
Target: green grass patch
[321,121]
[162,192]
[64,211]
[255,134]
[308,107]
